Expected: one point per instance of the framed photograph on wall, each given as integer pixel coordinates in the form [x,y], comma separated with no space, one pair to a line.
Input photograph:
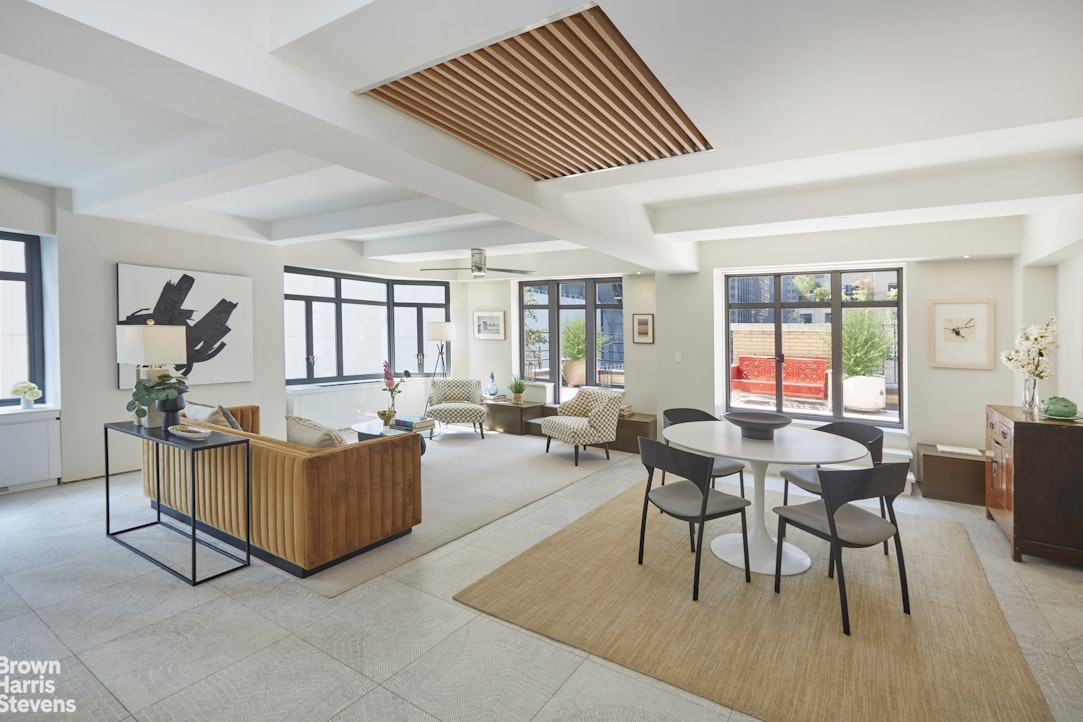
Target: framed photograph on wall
[961,334]
[642,328]
[489,325]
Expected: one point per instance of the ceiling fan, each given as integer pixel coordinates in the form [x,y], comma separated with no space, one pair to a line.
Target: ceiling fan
[478,267]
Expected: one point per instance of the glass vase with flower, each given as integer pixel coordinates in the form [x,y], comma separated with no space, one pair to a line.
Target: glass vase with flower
[391,386]
[1031,358]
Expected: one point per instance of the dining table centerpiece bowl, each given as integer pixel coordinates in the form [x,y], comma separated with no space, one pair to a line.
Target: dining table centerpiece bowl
[758,425]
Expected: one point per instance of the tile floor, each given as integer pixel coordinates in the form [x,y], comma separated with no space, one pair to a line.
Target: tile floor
[133,642]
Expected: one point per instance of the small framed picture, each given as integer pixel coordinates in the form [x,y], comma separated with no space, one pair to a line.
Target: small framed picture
[961,334]
[489,325]
[642,328]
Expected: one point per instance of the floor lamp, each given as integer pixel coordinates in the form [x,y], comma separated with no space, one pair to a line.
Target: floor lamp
[441,332]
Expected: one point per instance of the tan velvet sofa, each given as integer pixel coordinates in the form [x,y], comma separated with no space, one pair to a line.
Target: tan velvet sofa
[311,508]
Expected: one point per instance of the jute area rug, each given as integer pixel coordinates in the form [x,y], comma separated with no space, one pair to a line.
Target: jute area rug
[466,483]
[776,656]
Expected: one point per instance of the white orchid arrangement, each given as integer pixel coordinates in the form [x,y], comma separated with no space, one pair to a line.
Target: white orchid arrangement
[26,389]
[1030,359]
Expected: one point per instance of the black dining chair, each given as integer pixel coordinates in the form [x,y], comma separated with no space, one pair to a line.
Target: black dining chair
[842,524]
[692,499]
[723,466]
[807,478]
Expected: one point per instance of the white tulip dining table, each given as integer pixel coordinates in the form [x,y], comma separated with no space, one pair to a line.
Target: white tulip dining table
[791,446]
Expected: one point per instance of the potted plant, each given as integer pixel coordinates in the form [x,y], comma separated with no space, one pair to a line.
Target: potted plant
[573,349]
[165,391]
[517,387]
[865,347]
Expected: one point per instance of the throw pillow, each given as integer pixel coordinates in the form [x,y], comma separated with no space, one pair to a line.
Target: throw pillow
[311,433]
[211,414]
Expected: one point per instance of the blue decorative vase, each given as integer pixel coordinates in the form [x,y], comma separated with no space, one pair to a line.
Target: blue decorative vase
[492,390]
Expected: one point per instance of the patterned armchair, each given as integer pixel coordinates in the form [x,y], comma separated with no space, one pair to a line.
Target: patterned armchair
[456,401]
[588,418]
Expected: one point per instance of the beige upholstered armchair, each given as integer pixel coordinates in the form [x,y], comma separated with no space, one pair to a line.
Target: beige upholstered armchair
[588,418]
[456,401]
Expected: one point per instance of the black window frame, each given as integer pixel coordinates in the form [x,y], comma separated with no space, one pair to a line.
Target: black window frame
[35,315]
[833,309]
[590,307]
[388,303]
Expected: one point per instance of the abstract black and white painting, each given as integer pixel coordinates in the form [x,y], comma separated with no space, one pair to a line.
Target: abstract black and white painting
[216,308]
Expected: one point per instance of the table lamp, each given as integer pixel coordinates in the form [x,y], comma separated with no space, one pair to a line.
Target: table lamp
[152,348]
[441,332]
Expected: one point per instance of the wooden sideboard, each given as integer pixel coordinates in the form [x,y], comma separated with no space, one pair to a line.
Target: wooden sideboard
[1034,483]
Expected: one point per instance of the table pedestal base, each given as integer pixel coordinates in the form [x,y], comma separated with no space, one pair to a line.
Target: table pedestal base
[761,557]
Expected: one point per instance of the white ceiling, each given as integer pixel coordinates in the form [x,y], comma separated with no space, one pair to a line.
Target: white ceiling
[240,119]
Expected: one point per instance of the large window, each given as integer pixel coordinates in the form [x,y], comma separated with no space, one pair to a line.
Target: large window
[822,344]
[341,327]
[573,332]
[22,345]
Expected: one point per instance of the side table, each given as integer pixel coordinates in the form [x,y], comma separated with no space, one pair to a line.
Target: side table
[162,438]
[509,418]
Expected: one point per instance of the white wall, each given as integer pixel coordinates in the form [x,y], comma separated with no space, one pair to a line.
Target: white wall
[1069,369]
[87,250]
[945,405]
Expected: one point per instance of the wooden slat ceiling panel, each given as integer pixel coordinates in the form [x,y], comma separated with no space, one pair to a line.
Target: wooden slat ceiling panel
[565,98]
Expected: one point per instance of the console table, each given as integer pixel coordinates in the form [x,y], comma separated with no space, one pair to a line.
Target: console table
[160,438]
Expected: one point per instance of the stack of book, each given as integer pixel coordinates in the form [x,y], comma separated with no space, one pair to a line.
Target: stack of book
[498,397]
[625,411]
[412,423]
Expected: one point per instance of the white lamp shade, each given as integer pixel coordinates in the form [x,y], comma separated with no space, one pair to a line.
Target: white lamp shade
[152,345]
[440,331]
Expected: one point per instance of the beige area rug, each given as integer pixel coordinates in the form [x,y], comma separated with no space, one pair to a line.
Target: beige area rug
[776,656]
[466,483]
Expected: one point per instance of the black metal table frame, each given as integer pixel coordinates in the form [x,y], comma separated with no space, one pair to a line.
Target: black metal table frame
[161,437]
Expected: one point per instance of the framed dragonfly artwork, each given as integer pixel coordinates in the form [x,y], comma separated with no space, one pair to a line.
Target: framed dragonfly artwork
[961,334]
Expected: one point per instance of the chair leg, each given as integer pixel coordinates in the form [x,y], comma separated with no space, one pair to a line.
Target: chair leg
[607,455]
[692,536]
[742,473]
[577,454]
[883,515]
[902,574]
[699,552]
[548,439]
[836,551]
[643,527]
[785,491]
[481,428]
[778,552]
[744,543]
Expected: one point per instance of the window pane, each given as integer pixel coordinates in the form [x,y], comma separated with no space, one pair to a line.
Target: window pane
[807,288]
[406,347]
[573,294]
[609,293]
[610,360]
[536,295]
[573,347]
[870,353]
[752,289]
[752,363]
[536,343]
[364,290]
[13,258]
[364,339]
[806,371]
[303,284]
[412,293]
[870,286]
[296,366]
[324,340]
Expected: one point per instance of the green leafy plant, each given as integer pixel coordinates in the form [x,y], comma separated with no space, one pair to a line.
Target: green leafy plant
[573,338]
[517,385]
[865,346]
[148,391]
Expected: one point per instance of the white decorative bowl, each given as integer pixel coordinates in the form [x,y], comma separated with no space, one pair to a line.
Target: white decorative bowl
[189,432]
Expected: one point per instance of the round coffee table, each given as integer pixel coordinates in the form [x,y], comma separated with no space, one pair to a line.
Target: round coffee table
[375,427]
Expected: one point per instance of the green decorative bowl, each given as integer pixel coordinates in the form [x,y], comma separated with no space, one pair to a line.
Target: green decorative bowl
[1058,407]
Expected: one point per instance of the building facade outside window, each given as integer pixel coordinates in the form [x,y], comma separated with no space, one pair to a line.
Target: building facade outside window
[22,336]
[342,327]
[572,333]
[820,345]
